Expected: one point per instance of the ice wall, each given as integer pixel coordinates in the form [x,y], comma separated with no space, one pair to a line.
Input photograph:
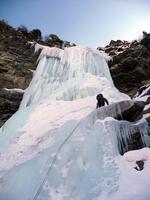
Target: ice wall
[57,146]
[78,160]
[69,74]
[77,165]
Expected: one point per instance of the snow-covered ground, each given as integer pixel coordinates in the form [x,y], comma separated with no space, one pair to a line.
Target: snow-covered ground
[58,146]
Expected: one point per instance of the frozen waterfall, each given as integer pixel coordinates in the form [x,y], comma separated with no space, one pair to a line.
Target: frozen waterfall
[69,74]
[58,146]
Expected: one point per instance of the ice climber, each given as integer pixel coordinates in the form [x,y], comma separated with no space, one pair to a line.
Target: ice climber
[101,101]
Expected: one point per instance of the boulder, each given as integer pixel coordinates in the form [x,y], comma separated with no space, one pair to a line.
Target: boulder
[9,103]
[135,112]
[140,165]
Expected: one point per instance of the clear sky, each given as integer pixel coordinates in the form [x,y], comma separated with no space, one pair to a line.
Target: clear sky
[88,22]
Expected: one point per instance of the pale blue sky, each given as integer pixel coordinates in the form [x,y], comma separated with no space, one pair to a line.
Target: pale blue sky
[89,22]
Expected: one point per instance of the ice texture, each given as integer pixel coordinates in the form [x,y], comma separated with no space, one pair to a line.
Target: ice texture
[58,146]
[69,74]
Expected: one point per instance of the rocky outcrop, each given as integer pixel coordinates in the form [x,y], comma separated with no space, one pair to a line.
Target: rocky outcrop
[135,112]
[9,103]
[17,63]
[116,47]
[130,66]
[144,94]
[17,60]
[146,40]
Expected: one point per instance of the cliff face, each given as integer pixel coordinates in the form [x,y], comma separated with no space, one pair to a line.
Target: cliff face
[130,67]
[17,59]
[17,62]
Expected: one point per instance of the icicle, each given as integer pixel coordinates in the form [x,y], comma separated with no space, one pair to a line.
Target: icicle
[127,131]
[114,110]
[69,74]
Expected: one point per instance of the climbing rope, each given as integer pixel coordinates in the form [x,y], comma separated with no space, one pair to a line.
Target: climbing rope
[54,160]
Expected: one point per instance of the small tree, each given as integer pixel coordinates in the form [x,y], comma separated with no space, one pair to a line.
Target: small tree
[54,37]
[23,29]
[3,25]
[36,34]
[144,34]
[53,40]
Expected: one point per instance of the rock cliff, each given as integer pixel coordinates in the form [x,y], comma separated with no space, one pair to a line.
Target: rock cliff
[130,64]
[17,63]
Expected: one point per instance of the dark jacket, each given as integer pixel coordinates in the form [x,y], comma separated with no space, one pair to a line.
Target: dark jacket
[101,101]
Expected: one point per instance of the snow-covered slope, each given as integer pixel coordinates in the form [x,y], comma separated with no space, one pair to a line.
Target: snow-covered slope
[58,146]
